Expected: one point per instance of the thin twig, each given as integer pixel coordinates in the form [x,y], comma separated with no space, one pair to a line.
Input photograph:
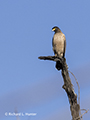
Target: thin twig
[78,87]
[78,90]
[83,109]
[82,114]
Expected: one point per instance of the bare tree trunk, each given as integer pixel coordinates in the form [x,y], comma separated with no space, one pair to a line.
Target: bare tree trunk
[68,87]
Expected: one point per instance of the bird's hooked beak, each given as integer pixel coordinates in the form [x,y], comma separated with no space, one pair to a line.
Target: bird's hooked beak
[53,29]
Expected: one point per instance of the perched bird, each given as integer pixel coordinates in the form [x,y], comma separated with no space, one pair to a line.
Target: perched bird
[59,45]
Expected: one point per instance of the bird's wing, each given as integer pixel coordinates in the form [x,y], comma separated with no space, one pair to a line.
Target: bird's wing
[52,41]
[64,47]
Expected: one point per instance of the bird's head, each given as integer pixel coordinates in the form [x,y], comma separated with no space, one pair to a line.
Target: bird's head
[56,29]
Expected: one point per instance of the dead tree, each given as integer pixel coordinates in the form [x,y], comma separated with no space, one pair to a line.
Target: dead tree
[68,87]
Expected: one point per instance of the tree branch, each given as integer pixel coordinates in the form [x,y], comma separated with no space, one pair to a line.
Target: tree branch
[68,87]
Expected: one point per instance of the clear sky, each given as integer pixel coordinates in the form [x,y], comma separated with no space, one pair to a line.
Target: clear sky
[28,84]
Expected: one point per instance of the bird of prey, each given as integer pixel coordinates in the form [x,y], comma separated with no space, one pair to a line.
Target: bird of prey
[59,45]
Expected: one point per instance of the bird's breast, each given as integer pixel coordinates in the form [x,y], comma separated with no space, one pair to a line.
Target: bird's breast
[58,43]
[58,39]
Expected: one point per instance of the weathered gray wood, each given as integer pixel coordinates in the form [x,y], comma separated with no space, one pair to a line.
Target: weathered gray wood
[68,87]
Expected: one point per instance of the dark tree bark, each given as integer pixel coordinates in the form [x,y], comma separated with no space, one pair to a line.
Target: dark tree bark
[68,87]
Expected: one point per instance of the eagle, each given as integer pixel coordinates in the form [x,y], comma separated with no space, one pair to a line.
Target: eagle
[59,45]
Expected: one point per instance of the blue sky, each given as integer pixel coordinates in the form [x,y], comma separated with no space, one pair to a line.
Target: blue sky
[31,85]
